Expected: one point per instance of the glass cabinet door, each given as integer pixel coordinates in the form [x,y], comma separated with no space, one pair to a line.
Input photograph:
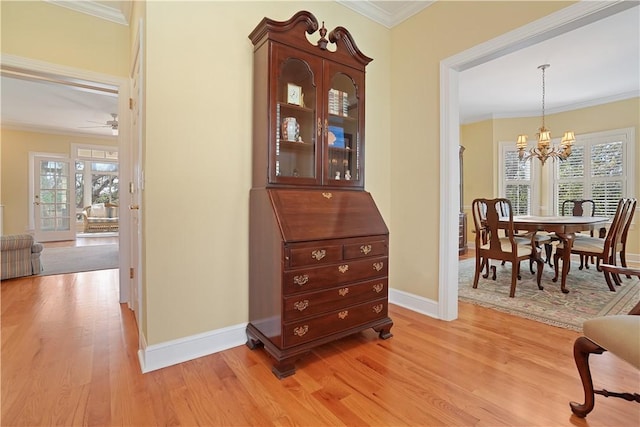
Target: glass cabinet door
[295,150]
[344,116]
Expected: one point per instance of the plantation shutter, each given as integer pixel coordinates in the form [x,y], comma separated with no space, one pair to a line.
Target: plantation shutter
[517,185]
[607,176]
[599,168]
[571,177]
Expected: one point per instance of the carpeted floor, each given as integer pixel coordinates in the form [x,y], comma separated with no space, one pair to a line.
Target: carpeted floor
[588,297]
[78,259]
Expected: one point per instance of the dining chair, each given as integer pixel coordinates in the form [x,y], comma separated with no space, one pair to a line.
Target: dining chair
[573,207]
[617,334]
[604,250]
[541,237]
[490,244]
[620,241]
[622,248]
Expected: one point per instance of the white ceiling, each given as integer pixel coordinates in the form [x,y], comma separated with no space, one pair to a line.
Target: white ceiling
[593,64]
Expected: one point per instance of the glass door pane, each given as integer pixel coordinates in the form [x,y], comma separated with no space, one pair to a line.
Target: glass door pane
[343,139]
[295,145]
[53,213]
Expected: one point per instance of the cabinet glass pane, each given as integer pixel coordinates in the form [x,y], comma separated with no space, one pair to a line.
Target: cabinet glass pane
[344,150]
[295,133]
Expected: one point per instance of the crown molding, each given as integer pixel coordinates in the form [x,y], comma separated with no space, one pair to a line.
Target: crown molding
[48,130]
[382,16]
[555,110]
[114,11]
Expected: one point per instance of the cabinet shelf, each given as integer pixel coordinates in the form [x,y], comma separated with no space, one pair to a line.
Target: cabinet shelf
[333,118]
[296,145]
[294,107]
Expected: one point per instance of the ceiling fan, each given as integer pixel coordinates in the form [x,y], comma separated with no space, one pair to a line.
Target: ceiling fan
[113,124]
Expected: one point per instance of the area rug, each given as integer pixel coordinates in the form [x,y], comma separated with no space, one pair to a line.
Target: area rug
[588,297]
[78,259]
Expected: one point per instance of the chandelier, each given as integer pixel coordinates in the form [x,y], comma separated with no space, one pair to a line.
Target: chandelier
[544,150]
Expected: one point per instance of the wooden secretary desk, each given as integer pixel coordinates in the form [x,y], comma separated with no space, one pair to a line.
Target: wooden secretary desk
[319,248]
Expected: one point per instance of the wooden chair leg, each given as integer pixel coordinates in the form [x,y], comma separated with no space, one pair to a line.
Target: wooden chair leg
[540,263]
[582,348]
[623,260]
[607,277]
[556,258]
[547,250]
[479,265]
[486,265]
[514,278]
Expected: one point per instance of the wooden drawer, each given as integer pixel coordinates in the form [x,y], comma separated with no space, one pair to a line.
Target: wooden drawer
[310,304]
[315,278]
[317,327]
[313,255]
[365,249]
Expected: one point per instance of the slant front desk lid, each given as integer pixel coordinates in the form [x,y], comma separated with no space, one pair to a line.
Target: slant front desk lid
[325,214]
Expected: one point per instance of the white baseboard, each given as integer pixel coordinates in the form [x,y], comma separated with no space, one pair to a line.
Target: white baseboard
[170,353]
[414,302]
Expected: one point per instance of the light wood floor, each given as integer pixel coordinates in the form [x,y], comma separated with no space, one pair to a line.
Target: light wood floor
[69,357]
[83,241]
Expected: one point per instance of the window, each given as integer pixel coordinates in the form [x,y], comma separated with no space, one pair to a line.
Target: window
[599,168]
[516,180]
[96,176]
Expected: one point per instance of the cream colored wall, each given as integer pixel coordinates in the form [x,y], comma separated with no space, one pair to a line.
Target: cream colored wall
[418,45]
[197,143]
[615,115]
[198,153]
[15,148]
[42,31]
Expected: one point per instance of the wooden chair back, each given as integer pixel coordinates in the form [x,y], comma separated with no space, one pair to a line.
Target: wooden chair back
[627,224]
[619,238]
[490,216]
[578,207]
[581,207]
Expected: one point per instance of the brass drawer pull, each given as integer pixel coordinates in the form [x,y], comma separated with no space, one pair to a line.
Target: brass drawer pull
[318,254]
[343,314]
[343,268]
[301,305]
[342,292]
[365,249]
[327,195]
[301,330]
[301,280]
[378,266]
[378,308]
[378,287]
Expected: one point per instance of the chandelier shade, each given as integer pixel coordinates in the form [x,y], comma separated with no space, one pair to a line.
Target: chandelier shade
[544,150]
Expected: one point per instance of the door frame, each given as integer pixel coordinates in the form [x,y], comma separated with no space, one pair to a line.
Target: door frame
[63,73]
[565,20]
[33,223]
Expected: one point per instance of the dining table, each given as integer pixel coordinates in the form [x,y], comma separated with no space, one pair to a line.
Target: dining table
[565,227]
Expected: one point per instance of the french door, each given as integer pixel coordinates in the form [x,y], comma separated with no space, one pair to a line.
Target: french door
[53,199]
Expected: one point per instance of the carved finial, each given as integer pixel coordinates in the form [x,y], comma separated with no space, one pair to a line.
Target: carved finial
[322,43]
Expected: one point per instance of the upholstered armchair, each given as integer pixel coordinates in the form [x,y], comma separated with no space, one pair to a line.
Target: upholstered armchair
[617,334]
[20,256]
